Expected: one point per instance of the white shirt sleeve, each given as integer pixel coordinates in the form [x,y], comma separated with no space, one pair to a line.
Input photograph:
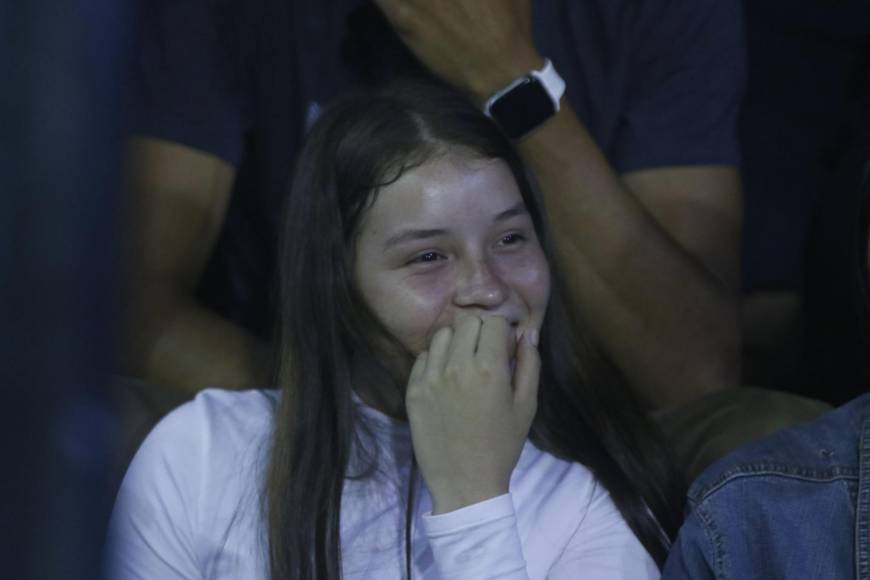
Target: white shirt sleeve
[482,542]
[479,542]
[604,547]
[151,530]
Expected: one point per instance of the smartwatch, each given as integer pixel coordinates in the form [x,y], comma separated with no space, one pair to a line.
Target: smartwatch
[527,102]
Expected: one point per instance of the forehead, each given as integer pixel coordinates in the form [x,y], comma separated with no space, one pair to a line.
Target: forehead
[449,189]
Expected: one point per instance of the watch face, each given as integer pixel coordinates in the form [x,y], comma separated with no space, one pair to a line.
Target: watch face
[523,108]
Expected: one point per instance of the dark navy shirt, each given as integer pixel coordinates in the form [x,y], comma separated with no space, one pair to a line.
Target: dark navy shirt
[656,82]
[801,55]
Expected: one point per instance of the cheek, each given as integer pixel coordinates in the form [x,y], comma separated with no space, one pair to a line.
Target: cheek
[412,307]
[529,275]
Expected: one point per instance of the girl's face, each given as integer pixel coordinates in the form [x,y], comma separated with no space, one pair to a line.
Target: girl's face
[448,238]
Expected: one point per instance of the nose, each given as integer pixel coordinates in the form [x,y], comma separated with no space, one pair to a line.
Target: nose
[479,285]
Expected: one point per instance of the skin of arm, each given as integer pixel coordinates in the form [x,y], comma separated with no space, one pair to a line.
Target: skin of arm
[178,202]
[651,257]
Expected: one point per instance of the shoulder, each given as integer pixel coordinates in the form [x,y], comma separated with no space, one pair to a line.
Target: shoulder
[218,419]
[213,446]
[192,484]
[826,448]
[794,488]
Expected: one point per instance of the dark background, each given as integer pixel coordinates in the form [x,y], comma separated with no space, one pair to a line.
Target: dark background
[59,152]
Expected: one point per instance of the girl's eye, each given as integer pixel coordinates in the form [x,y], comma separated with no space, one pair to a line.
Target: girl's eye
[426,258]
[511,239]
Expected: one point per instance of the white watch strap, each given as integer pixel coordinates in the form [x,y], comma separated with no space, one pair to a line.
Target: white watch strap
[553,83]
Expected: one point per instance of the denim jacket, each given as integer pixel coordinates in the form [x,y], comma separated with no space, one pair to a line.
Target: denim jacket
[794,505]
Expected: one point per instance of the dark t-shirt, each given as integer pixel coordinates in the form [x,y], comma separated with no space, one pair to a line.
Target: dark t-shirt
[656,82]
[802,54]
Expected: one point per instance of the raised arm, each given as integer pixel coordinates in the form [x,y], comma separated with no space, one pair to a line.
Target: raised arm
[178,201]
[651,257]
[651,260]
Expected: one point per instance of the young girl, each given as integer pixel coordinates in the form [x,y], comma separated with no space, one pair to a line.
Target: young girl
[440,416]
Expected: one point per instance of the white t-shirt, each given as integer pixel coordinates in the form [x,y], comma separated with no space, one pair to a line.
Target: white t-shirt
[189,508]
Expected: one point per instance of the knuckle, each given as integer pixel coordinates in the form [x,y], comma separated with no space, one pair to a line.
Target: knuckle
[486,369]
[417,393]
[453,372]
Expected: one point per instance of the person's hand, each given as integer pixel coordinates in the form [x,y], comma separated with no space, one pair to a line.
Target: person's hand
[469,417]
[478,46]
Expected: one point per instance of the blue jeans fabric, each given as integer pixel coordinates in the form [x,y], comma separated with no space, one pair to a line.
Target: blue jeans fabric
[794,505]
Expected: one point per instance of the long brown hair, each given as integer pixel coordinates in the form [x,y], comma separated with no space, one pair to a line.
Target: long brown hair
[585,413]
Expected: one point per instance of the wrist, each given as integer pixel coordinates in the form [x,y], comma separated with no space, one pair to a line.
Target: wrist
[500,75]
[527,103]
[453,500]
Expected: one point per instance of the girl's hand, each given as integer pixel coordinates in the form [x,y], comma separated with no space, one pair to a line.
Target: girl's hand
[469,418]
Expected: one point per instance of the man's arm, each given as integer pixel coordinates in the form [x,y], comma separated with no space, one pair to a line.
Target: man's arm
[651,257]
[178,202]
[651,261]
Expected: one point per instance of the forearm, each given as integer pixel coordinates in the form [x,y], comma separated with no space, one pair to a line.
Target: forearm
[187,347]
[668,322]
[178,199]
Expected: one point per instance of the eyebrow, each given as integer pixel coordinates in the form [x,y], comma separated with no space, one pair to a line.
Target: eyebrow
[518,209]
[414,235]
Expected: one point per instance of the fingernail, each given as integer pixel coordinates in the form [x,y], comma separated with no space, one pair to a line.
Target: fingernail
[532,333]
